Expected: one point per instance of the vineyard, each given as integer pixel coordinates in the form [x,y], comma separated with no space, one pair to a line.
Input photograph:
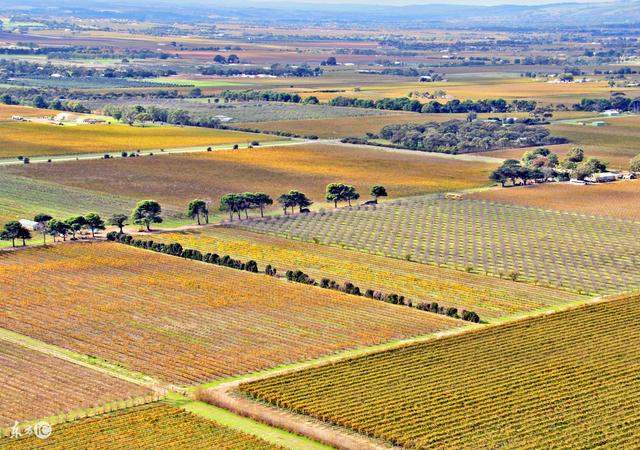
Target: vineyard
[157,425]
[567,380]
[184,321]
[582,253]
[489,297]
[36,385]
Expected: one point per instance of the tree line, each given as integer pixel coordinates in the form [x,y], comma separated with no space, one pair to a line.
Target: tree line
[434,107]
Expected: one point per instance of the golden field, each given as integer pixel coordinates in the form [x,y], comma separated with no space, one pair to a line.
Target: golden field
[489,297]
[183,321]
[41,139]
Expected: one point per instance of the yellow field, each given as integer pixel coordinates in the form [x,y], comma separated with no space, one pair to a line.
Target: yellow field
[489,297]
[619,200]
[174,180]
[39,139]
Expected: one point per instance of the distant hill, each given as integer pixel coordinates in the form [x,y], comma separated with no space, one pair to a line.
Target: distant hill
[622,12]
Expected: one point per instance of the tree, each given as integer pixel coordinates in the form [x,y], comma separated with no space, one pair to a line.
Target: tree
[24,234]
[285,202]
[11,231]
[58,228]
[198,208]
[634,164]
[509,170]
[260,200]
[231,202]
[378,191]
[119,220]
[299,199]
[75,224]
[335,193]
[147,212]
[350,193]
[589,167]
[41,225]
[94,223]
[575,155]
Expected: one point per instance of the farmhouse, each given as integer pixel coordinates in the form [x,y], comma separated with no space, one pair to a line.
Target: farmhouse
[605,177]
[611,113]
[29,224]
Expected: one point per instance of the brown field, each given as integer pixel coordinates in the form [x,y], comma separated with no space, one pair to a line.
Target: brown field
[183,321]
[345,126]
[7,111]
[619,200]
[176,179]
[489,297]
[40,139]
[36,385]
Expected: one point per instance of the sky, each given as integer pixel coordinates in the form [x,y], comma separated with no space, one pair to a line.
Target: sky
[457,2]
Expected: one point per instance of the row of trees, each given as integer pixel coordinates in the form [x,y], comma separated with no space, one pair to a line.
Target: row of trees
[454,106]
[266,96]
[238,203]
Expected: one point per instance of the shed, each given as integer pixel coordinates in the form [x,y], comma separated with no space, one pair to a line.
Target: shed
[29,224]
[599,123]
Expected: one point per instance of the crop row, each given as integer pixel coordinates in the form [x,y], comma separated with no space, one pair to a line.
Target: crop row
[37,385]
[582,253]
[566,380]
[185,321]
[157,425]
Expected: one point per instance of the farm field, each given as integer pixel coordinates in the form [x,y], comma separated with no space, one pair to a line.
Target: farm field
[36,385]
[243,111]
[359,126]
[156,425]
[23,198]
[566,379]
[39,139]
[174,180]
[621,198]
[489,297]
[586,254]
[186,322]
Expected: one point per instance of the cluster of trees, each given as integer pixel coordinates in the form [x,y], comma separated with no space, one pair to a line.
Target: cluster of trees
[340,192]
[237,203]
[457,136]
[266,96]
[141,114]
[541,164]
[277,70]
[617,101]
[47,225]
[231,59]
[299,276]
[435,107]
[175,249]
